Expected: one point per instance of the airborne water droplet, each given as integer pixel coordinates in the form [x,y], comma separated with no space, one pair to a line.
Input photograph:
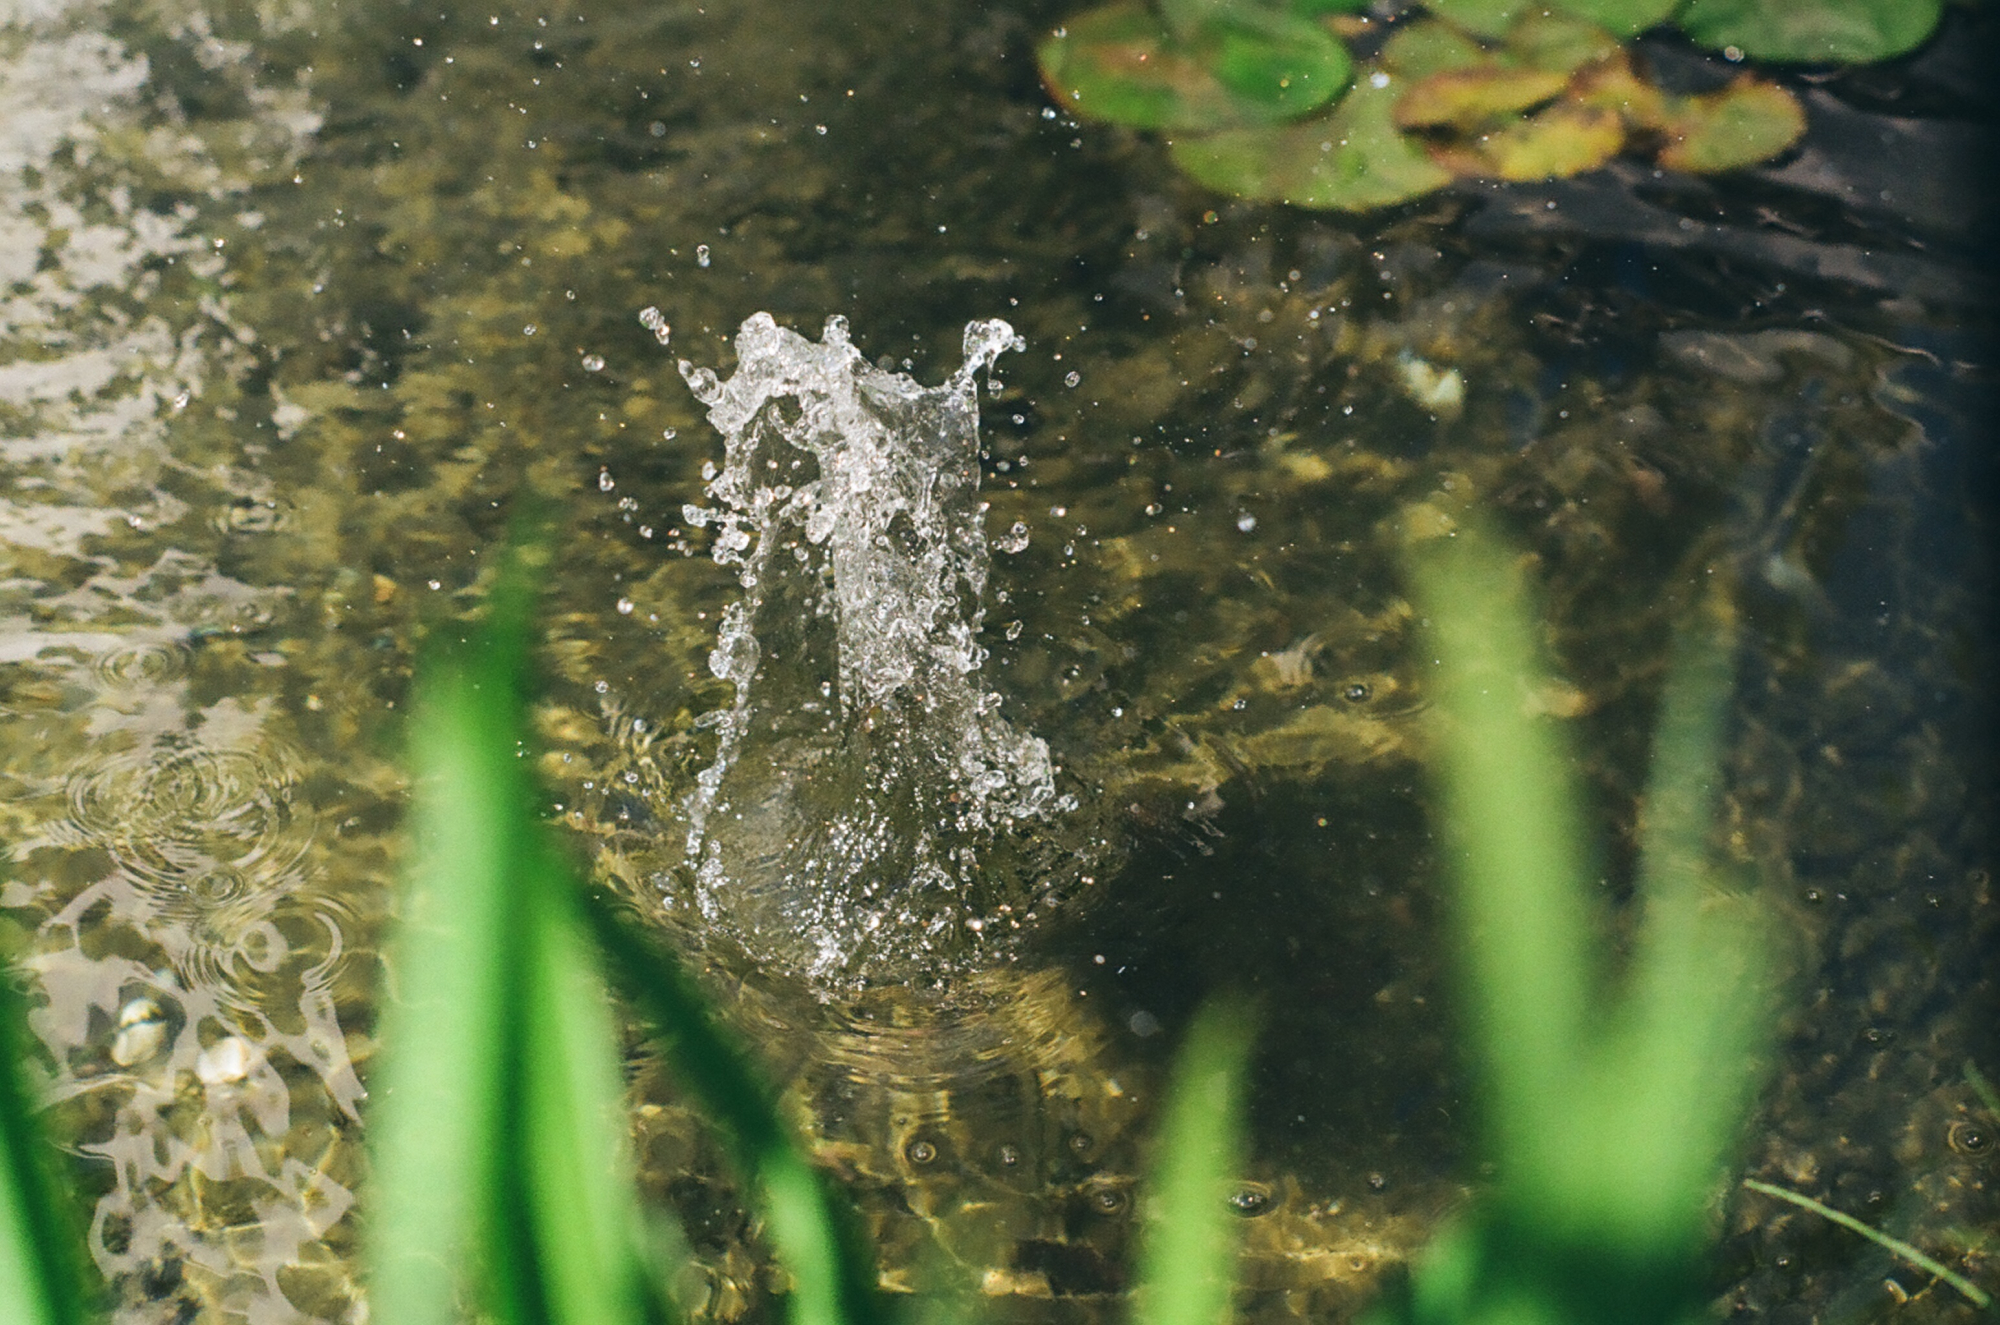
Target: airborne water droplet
[605,482]
[654,321]
[701,255]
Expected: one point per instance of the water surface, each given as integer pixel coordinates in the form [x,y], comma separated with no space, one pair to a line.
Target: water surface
[298,301]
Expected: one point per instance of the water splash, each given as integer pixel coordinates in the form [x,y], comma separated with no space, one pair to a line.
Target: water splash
[866,806]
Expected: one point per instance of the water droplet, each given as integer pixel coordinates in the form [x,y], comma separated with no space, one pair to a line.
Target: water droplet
[701,255]
[1072,378]
[1014,629]
[605,482]
[624,607]
[528,330]
[654,321]
[669,433]
[1014,540]
[1246,522]
[593,363]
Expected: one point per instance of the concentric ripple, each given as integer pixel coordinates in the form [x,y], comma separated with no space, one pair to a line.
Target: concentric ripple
[209,841]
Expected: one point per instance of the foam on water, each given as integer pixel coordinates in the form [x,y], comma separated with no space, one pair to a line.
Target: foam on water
[866,787]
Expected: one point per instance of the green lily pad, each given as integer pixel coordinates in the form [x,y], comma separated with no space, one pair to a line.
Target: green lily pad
[1565,139]
[1749,121]
[1814,32]
[1483,18]
[1121,63]
[1118,64]
[1544,39]
[1352,160]
[1185,17]
[1283,64]
[1625,18]
[1318,8]
[1426,47]
[1470,98]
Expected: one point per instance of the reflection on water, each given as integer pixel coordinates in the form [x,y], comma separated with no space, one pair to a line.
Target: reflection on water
[294,303]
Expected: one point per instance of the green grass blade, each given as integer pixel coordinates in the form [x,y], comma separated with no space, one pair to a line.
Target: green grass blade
[1509,812]
[582,1198]
[1974,1294]
[437,1090]
[833,1282]
[1187,1261]
[42,1267]
[1675,1080]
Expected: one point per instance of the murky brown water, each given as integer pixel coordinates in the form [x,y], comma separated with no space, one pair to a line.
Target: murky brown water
[296,302]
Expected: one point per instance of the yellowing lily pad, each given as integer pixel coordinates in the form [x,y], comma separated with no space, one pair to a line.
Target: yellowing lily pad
[1565,139]
[1469,98]
[1749,121]
[1352,160]
[1615,86]
[1123,64]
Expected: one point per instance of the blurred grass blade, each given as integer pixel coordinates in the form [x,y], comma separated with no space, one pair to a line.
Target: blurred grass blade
[436,1112]
[1681,1070]
[1187,1261]
[832,1278]
[1510,818]
[42,1268]
[582,1197]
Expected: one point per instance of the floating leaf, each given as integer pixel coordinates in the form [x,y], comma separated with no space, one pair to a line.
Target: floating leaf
[1426,47]
[1565,139]
[1353,160]
[1184,17]
[1317,8]
[1238,67]
[1822,32]
[1470,98]
[1625,18]
[1749,121]
[1118,64]
[1484,18]
[1544,39]
[1283,64]
[1615,86]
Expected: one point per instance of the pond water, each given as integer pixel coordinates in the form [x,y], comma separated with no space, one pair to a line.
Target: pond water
[298,299]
